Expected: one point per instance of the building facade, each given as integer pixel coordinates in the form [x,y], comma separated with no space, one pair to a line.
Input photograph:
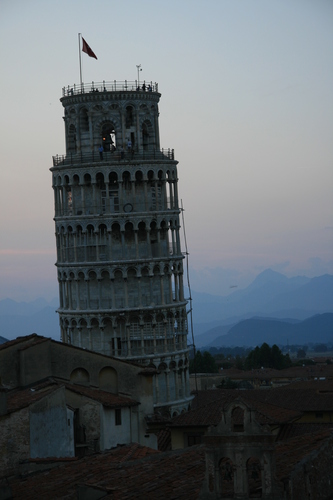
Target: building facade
[119,259]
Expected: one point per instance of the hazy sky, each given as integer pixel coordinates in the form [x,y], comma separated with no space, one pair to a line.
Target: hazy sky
[247,104]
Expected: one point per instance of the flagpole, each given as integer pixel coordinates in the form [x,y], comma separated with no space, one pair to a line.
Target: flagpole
[80,61]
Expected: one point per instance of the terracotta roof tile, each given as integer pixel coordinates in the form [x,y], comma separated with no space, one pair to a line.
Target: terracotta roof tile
[134,471]
[309,396]
[208,406]
[300,372]
[18,340]
[292,430]
[21,398]
[291,452]
[164,440]
[105,398]
[131,471]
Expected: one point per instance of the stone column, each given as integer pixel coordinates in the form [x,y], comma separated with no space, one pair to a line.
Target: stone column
[113,305]
[77,294]
[126,292]
[83,199]
[167,381]
[123,133]
[181,288]
[88,293]
[69,286]
[176,286]
[100,305]
[157,391]
[175,186]
[136,243]
[170,287]
[129,347]
[162,289]
[75,247]
[171,195]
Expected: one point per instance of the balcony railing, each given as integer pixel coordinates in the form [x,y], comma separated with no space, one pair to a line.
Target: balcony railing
[114,86]
[113,157]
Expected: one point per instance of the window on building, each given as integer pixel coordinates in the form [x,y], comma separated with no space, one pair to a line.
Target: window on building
[193,439]
[118,416]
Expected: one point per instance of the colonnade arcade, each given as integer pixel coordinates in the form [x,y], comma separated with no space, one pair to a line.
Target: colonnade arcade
[122,240]
[158,340]
[134,334]
[113,190]
[116,288]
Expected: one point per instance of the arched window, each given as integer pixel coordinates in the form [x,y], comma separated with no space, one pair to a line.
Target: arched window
[72,139]
[79,376]
[226,470]
[147,135]
[129,118]
[108,137]
[237,418]
[253,469]
[84,120]
[108,379]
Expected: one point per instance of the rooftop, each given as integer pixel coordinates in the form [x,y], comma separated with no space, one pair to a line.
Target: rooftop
[21,398]
[113,86]
[208,406]
[135,471]
[112,157]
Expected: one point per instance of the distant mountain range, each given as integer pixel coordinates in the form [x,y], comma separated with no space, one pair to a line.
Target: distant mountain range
[256,331]
[273,307]
[270,296]
[23,318]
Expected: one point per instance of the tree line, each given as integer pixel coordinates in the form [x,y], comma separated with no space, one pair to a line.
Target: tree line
[264,356]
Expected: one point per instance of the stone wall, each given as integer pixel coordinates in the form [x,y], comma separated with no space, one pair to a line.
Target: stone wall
[14,439]
[51,427]
[313,476]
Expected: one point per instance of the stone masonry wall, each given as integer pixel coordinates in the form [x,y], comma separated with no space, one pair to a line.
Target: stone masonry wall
[313,476]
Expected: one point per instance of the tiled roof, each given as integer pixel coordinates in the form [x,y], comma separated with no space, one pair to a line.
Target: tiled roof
[105,398]
[309,396]
[292,430]
[130,472]
[208,406]
[19,340]
[137,472]
[34,339]
[302,372]
[164,440]
[290,453]
[21,398]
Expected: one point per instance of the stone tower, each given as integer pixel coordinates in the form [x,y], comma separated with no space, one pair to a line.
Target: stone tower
[119,261]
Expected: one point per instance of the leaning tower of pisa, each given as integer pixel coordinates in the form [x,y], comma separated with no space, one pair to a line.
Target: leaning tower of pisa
[119,260]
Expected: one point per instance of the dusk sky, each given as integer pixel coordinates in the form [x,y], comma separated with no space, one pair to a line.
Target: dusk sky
[247,105]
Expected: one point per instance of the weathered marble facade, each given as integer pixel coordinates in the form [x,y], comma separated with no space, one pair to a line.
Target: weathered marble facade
[119,260]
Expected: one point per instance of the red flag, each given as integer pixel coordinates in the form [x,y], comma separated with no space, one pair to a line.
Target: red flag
[87,49]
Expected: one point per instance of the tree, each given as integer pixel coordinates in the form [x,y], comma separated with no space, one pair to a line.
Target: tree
[268,357]
[203,363]
[239,362]
[320,348]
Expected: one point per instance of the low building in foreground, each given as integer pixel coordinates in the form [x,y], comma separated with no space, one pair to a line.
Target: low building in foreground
[58,400]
